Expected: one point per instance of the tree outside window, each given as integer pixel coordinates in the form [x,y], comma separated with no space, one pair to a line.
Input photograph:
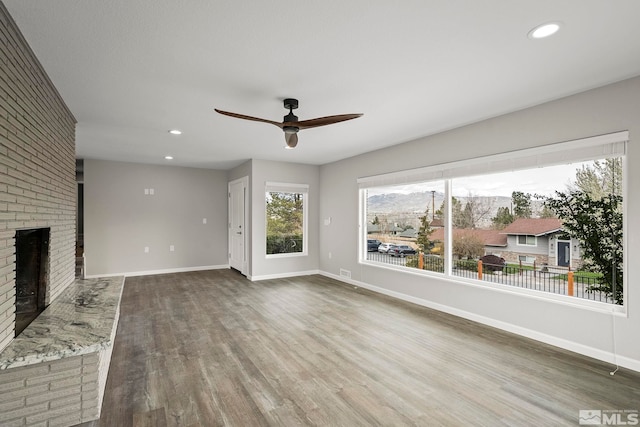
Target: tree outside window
[285,222]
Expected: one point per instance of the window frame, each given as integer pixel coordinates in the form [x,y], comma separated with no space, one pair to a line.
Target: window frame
[528,259]
[293,188]
[526,236]
[586,149]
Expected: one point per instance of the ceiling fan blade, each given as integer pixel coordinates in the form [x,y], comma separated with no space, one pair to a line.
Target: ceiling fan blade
[323,121]
[291,139]
[255,119]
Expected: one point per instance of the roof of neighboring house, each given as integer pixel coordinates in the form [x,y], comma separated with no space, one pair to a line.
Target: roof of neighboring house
[409,232]
[375,228]
[436,222]
[533,226]
[488,237]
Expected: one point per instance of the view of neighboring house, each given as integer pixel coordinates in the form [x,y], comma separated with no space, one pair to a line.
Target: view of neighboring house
[540,240]
[494,241]
[391,229]
[409,233]
[436,223]
[526,240]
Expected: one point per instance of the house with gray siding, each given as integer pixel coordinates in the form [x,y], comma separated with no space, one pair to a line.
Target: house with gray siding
[540,241]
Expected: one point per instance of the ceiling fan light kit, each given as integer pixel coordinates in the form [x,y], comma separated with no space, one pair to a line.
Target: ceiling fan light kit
[290,124]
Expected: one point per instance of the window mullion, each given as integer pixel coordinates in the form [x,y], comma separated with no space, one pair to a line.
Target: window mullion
[448,229]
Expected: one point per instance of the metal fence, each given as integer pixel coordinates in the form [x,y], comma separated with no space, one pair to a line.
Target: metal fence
[556,280]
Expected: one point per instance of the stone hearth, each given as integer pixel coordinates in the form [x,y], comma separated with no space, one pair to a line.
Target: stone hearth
[56,369]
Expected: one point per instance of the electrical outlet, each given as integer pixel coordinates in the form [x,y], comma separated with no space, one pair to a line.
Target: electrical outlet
[146,249]
[171,248]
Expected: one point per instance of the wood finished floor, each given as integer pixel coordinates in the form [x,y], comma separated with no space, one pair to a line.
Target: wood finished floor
[212,349]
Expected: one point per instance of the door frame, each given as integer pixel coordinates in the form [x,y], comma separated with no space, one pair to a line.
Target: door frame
[245,218]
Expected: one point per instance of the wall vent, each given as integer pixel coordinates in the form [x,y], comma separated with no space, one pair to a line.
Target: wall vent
[345,273]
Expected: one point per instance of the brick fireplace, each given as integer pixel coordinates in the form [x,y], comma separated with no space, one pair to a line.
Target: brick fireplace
[53,362]
[37,172]
[38,202]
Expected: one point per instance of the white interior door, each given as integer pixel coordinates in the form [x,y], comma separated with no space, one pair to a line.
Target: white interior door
[237,234]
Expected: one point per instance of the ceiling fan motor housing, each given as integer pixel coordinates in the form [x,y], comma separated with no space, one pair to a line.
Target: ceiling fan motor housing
[291,103]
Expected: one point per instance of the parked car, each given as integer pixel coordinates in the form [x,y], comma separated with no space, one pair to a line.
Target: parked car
[372,245]
[385,247]
[402,250]
[492,263]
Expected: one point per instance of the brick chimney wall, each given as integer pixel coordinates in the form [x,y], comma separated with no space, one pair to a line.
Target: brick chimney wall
[37,168]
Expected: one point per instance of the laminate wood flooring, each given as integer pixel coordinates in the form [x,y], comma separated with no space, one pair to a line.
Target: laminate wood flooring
[212,348]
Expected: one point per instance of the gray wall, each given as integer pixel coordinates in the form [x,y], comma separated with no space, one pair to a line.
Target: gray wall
[604,110]
[541,247]
[267,171]
[120,220]
[37,169]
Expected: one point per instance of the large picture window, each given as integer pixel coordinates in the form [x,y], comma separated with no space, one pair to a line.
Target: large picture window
[286,219]
[546,220]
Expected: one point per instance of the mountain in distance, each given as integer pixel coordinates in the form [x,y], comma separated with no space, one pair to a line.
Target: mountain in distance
[406,209]
[397,202]
[418,202]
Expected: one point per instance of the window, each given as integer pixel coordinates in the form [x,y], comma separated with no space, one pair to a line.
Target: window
[527,240]
[406,218]
[453,214]
[286,219]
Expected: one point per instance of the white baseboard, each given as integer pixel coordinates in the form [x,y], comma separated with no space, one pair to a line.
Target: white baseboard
[163,271]
[282,275]
[595,353]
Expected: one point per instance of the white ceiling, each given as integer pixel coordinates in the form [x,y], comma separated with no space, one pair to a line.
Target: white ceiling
[131,70]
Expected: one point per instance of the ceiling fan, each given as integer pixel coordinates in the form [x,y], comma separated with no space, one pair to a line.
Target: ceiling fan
[290,124]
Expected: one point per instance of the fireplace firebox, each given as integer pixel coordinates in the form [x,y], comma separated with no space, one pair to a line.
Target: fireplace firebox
[32,265]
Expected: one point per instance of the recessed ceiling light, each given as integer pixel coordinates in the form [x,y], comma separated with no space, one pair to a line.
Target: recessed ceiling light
[175,132]
[168,157]
[544,30]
